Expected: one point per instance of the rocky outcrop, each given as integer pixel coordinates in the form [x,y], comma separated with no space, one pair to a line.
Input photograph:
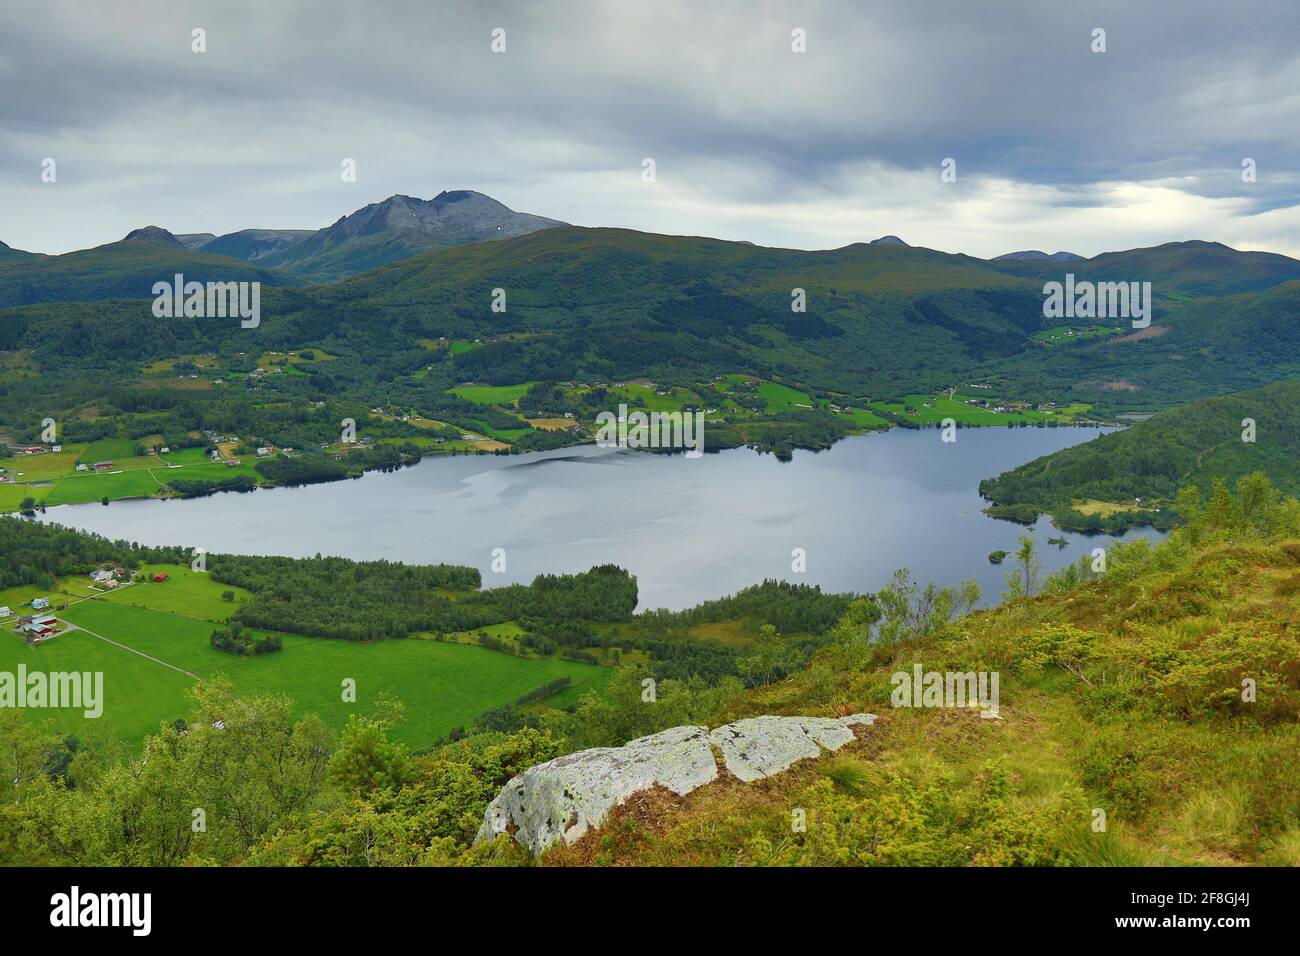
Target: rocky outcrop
[762,746]
[567,797]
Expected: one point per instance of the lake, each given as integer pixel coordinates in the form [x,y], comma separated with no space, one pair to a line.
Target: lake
[689,529]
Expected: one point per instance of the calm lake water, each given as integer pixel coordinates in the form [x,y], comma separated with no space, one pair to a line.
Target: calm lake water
[689,529]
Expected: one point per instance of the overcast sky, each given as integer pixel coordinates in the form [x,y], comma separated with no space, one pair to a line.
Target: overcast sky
[1056,147]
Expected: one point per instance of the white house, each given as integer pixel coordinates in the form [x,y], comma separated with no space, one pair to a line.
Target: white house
[40,604]
[5,612]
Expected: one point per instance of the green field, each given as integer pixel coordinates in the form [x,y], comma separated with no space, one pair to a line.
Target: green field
[59,483]
[864,418]
[941,407]
[783,398]
[651,400]
[188,593]
[491,394]
[442,685]
[107,449]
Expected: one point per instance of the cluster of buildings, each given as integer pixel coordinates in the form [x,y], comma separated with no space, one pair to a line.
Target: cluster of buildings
[108,578]
[37,626]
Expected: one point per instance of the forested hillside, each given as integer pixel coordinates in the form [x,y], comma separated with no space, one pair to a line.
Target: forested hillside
[1174,269]
[1140,470]
[880,320]
[120,270]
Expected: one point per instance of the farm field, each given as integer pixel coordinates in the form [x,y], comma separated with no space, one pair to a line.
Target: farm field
[186,592]
[783,398]
[1091,506]
[941,407]
[864,418]
[55,480]
[491,394]
[651,400]
[138,693]
[442,685]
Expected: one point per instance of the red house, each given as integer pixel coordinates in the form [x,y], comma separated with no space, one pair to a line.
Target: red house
[159,578]
[103,465]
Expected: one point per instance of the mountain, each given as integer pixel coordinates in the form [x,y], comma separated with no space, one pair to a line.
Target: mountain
[1142,467]
[154,234]
[1198,348]
[400,227]
[1176,270]
[193,240]
[254,244]
[618,300]
[1036,255]
[888,241]
[882,320]
[9,254]
[126,269]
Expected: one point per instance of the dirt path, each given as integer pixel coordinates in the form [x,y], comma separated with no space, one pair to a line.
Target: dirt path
[150,657]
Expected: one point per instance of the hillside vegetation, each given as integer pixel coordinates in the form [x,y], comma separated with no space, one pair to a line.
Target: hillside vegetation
[882,321]
[1141,469]
[121,270]
[1148,714]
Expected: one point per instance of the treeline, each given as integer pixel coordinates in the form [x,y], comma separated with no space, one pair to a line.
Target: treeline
[311,468]
[197,487]
[36,553]
[790,608]
[587,617]
[351,600]
[371,600]
[606,593]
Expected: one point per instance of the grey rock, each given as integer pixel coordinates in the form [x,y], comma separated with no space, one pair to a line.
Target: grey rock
[565,798]
[853,720]
[762,746]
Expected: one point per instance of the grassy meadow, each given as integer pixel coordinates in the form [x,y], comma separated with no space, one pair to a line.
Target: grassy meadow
[163,630]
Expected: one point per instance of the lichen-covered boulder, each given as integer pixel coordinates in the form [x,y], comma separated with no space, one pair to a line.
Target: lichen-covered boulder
[762,746]
[566,797]
[569,795]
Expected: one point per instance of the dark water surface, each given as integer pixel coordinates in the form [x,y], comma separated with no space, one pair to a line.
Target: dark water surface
[689,529]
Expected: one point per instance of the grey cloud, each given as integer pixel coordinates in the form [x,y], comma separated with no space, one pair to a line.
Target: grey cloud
[251,133]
